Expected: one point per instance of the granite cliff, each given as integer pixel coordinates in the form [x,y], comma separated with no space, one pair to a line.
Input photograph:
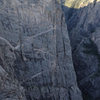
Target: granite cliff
[35,52]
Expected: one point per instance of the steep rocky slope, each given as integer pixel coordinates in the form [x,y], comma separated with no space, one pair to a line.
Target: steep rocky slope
[83,21]
[10,88]
[38,60]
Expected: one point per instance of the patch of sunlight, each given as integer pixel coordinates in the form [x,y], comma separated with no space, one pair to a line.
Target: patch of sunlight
[77,3]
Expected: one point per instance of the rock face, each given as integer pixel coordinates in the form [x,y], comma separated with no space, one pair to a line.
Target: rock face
[82,17]
[35,52]
[10,88]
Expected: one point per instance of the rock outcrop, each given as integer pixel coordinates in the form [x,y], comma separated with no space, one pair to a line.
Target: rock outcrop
[38,53]
[10,88]
[82,17]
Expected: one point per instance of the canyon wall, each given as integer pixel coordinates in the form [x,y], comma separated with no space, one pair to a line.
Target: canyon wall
[35,52]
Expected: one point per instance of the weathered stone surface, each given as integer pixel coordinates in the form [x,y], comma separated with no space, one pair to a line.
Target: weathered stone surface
[82,18]
[43,64]
[10,88]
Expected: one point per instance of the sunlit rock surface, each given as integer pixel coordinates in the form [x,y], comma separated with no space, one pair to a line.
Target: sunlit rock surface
[38,47]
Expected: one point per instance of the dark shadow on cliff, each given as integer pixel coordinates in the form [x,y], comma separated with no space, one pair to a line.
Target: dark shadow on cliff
[86,57]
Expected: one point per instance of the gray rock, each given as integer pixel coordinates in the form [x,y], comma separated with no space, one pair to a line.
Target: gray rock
[10,88]
[82,19]
[38,34]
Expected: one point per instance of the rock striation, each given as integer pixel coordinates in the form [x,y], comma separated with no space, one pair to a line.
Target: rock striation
[38,52]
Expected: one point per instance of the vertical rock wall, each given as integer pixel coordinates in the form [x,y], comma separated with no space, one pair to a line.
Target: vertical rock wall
[82,17]
[38,34]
